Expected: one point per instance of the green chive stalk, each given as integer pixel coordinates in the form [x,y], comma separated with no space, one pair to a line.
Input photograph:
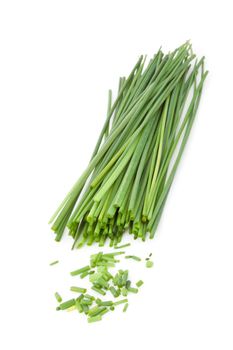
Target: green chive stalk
[126,183]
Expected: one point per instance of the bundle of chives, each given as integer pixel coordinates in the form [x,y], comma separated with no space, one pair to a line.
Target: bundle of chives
[126,184]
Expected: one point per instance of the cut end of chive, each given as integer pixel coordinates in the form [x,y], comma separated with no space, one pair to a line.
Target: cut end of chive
[78,289]
[139,283]
[149,264]
[58,297]
[125,307]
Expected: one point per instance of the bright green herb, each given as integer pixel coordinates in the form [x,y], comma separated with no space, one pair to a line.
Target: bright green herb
[94,319]
[114,292]
[139,283]
[133,290]
[121,302]
[125,307]
[80,271]
[54,262]
[98,290]
[124,292]
[106,303]
[123,246]
[84,274]
[149,263]
[58,297]
[67,304]
[134,257]
[78,289]
[126,183]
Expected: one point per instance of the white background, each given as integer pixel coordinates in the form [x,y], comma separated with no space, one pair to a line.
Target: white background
[57,61]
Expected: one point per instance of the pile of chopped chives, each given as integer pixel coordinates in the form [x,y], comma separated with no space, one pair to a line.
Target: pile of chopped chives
[127,181]
[118,285]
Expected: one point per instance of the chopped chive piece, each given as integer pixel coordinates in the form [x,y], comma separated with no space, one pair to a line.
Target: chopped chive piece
[85,308]
[67,304]
[58,297]
[149,263]
[125,307]
[139,283]
[124,292]
[78,289]
[133,290]
[112,308]
[54,262]
[88,296]
[122,246]
[98,301]
[106,303]
[94,319]
[98,290]
[128,284]
[121,302]
[150,254]
[106,263]
[134,257]
[84,274]
[96,310]
[78,305]
[86,302]
[114,292]
[103,312]
[79,271]
[114,253]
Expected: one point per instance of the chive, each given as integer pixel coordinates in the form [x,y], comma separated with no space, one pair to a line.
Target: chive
[58,297]
[126,183]
[133,290]
[78,289]
[105,263]
[149,263]
[128,283]
[78,306]
[122,246]
[54,262]
[98,290]
[121,302]
[96,310]
[84,274]
[85,308]
[90,297]
[114,254]
[124,292]
[86,302]
[139,283]
[134,257]
[67,304]
[114,291]
[112,308]
[80,271]
[103,312]
[106,303]
[94,319]
[125,307]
